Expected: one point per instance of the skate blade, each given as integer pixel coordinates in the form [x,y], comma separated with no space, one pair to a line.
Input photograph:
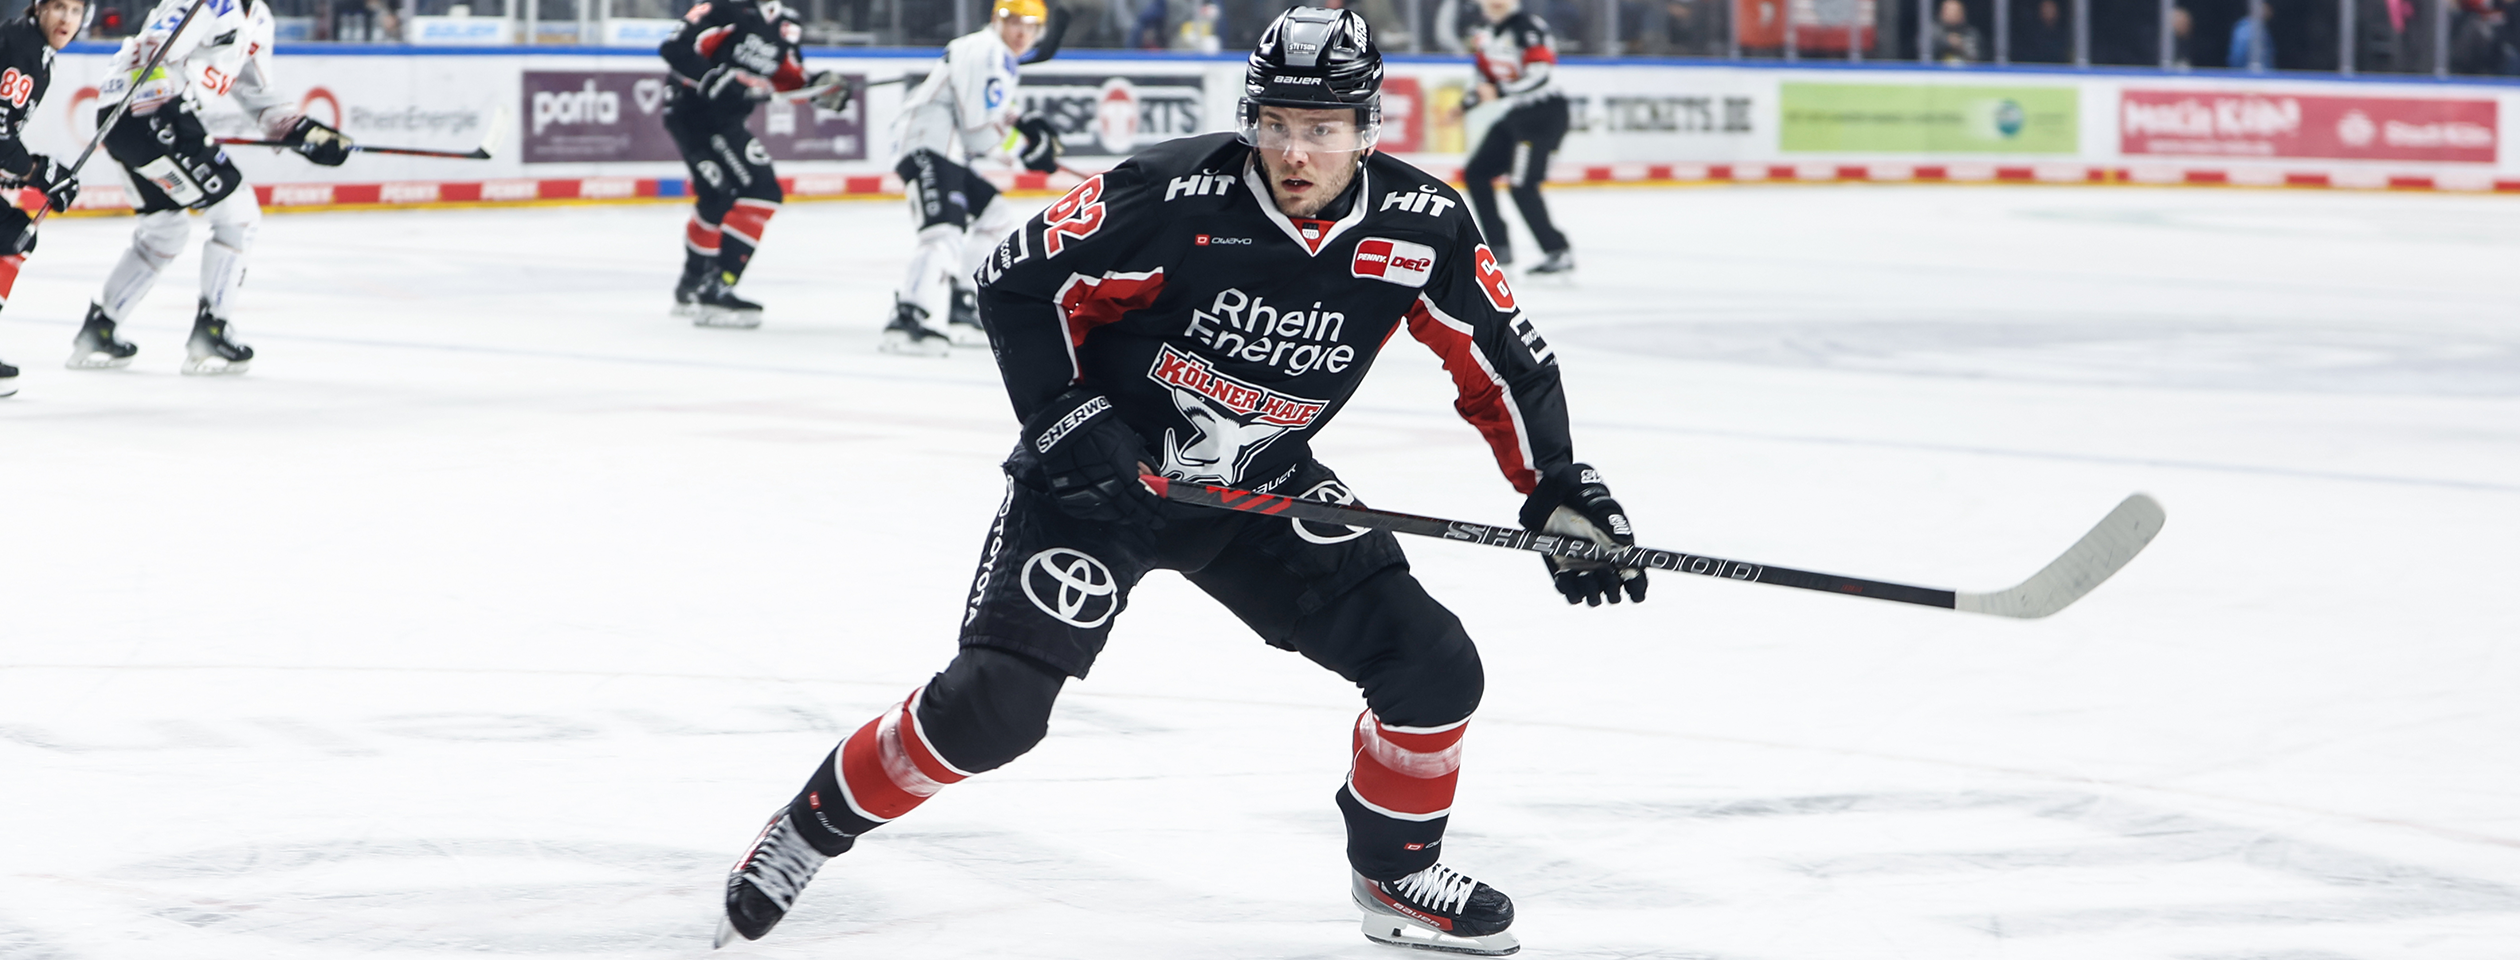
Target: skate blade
[1404,932]
[685,311]
[905,345]
[215,367]
[8,387]
[97,361]
[728,319]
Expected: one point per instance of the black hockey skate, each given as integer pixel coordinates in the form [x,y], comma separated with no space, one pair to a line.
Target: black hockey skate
[962,323]
[1560,262]
[908,333]
[764,884]
[716,305]
[8,380]
[210,352]
[1437,909]
[95,347]
[687,296]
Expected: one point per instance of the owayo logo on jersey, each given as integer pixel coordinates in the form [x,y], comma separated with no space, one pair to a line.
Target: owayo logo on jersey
[1082,592]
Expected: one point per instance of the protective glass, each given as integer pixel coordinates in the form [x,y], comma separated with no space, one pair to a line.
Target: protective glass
[1314,135]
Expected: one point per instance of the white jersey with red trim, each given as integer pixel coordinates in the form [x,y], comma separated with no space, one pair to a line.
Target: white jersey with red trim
[1518,55]
[224,51]
[1228,334]
[966,108]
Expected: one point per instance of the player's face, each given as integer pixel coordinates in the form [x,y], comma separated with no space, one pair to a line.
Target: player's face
[1309,155]
[1019,33]
[60,20]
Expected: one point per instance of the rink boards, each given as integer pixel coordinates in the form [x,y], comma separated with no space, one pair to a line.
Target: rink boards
[579,124]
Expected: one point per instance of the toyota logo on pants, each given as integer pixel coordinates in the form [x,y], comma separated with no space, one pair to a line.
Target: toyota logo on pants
[1073,588]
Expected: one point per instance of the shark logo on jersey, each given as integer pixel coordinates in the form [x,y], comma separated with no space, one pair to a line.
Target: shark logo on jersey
[1231,421]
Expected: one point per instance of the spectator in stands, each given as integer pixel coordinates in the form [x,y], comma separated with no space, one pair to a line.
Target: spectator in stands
[1201,29]
[2182,33]
[2476,37]
[1693,28]
[2049,39]
[2252,48]
[1147,33]
[1955,41]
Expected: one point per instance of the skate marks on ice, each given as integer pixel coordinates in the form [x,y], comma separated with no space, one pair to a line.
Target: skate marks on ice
[2163,868]
[2421,360]
[20,943]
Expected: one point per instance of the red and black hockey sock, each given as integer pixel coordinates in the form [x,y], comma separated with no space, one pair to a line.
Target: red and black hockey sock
[740,234]
[1399,795]
[985,709]
[9,267]
[701,245]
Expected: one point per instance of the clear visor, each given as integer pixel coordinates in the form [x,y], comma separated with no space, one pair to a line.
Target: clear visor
[1340,134]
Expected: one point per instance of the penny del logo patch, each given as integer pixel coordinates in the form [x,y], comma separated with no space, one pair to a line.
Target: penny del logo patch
[1394,261]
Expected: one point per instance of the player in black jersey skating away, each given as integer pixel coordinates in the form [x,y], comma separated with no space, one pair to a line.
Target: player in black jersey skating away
[727,57]
[1517,60]
[1202,311]
[26,59]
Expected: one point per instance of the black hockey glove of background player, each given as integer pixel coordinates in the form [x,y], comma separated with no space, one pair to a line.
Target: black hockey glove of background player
[836,93]
[1571,500]
[318,143]
[1041,143]
[54,179]
[1077,451]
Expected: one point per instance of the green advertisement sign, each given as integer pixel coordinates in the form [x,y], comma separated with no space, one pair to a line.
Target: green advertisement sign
[1939,118]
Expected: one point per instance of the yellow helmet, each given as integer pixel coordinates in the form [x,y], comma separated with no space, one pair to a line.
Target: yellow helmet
[1033,10]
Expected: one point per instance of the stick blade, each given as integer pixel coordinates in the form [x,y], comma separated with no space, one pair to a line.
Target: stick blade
[2085,565]
[490,139]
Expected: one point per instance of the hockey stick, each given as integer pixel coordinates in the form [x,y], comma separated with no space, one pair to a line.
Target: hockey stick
[489,141]
[476,153]
[125,106]
[2117,539]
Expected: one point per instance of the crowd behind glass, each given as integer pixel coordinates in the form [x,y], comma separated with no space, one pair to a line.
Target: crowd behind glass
[2436,37]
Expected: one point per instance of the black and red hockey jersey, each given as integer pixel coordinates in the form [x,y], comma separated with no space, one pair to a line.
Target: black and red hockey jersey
[759,37]
[1228,334]
[1517,54]
[25,73]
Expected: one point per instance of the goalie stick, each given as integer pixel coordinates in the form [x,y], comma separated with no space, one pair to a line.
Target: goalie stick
[2109,546]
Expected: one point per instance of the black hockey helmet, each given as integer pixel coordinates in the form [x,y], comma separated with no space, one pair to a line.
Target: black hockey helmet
[1314,59]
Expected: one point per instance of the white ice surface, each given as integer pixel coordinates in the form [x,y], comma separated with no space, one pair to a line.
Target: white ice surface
[491,612]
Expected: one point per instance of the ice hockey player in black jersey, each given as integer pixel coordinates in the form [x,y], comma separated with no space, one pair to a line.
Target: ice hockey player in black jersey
[727,57]
[26,59]
[1201,311]
[1517,60]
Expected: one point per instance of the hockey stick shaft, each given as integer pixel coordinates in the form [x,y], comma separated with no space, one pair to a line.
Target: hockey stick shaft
[125,105]
[2100,553]
[476,153]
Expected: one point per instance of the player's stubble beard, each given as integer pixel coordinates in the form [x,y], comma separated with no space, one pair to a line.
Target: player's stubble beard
[1326,176]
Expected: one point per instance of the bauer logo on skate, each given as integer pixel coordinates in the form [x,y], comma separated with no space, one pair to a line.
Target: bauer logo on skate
[1072,587]
[1394,261]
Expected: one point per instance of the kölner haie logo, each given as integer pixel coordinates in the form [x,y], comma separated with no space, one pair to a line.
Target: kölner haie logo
[1072,587]
[1394,261]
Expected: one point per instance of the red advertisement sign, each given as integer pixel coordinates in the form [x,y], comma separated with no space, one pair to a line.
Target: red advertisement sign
[2212,124]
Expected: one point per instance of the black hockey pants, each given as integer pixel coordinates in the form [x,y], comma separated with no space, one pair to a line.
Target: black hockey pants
[1518,147]
[1048,588]
[737,191]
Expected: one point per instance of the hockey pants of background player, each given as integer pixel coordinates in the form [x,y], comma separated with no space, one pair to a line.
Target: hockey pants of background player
[960,223]
[737,191]
[1518,148]
[175,168]
[1342,598]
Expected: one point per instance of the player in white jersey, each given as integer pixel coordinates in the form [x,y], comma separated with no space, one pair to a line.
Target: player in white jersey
[176,167]
[965,111]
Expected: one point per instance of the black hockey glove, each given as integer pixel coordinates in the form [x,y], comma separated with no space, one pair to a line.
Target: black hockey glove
[318,143]
[1041,143]
[837,91]
[1572,501]
[1077,451]
[55,180]
[728,85]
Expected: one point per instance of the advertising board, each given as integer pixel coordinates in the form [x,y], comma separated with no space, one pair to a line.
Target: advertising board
[1927,118]
[2188,123]
[616,116]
